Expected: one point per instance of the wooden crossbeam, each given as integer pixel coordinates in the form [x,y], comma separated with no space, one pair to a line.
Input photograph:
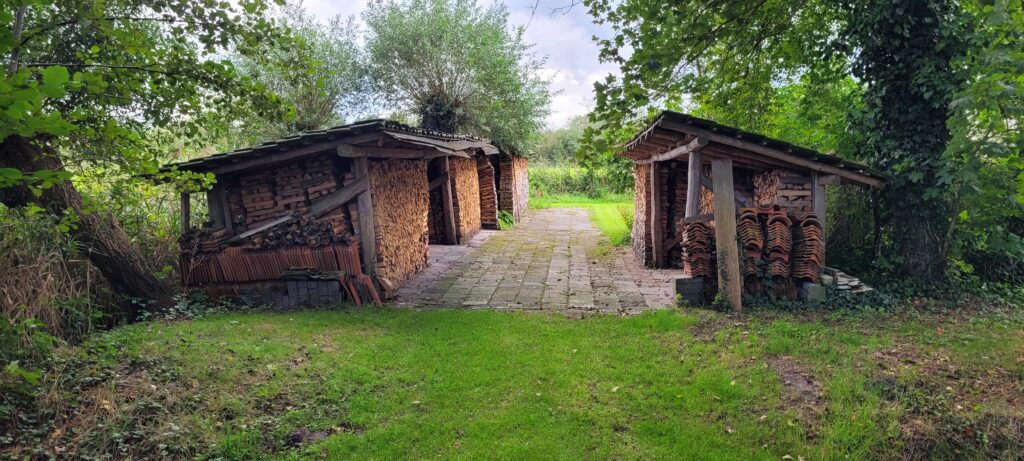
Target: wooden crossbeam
[693,146]
[262,228]
[338,198]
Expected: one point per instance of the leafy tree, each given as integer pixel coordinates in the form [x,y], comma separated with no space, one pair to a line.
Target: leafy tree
[87,79]
[321,74]
[734,60]
[458,67]
[561,144]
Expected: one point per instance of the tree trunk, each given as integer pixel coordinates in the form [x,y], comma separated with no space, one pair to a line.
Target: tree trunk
[105,242]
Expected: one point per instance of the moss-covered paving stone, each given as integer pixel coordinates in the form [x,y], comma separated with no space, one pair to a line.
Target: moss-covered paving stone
[555,259]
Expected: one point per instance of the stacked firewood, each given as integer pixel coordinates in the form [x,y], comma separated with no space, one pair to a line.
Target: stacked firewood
[794,192]
[699,246]
[751,237]
[809,254]
[707,197]
[289,190]
[766,188]
[400,195]
[318,179]
[203,240]
[301,231]
[257,197]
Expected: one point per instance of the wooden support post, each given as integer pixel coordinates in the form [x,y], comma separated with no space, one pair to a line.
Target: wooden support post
[449,208]
[657,230]
[186,212]
[818,197]
[368,236]
[693,182]
[225,208]
[727,249]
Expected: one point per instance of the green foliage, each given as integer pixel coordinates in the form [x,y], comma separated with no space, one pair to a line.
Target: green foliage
[572,180]
[321,72]
[459,67]
[559,146]
[506,220]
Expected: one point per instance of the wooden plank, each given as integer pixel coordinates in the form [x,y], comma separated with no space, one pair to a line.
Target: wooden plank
[186,212]
[438,182]
[213,205]
[700,218]
[225,209]
[350,151]
[270,158]
[694,175]
[368,235]
[693,146]
[449,208]
[262,228]
[770,152]
[818,198]
[657,240]
[726,246]
[338,198]
[672,242]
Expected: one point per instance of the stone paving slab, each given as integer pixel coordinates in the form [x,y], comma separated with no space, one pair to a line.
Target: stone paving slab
[555,259]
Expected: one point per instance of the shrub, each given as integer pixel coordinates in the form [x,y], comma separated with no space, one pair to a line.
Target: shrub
[572,180]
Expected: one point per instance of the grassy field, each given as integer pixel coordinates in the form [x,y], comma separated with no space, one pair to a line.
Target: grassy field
[612,214]
[399,384]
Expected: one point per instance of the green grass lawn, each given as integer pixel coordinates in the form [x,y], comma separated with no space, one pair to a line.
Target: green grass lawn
[397,384]
[611,214]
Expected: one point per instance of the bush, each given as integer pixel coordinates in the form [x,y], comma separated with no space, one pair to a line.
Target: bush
[573,180]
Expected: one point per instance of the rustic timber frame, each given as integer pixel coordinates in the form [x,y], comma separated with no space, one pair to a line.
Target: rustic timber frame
[673,157]
[366,183]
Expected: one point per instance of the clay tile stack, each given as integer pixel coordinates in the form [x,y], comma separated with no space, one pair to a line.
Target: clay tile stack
[749,231]
[699,260]
[779,244]
[809,255]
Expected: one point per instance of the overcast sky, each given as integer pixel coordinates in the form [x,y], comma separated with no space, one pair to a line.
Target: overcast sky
[563,38]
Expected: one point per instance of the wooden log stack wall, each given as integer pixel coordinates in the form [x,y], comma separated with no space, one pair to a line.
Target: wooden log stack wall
[400,205]
[641,214]
[465,197]
[513,185]
[488,193]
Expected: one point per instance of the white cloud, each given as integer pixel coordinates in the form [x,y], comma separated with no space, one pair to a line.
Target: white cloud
[564,39]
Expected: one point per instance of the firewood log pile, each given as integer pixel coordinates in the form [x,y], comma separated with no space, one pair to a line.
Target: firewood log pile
[400,207]
[766,188]
[301,231]
[699,255]
[257,197]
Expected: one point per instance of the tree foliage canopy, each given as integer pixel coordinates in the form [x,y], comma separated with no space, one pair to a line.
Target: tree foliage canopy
[458,67]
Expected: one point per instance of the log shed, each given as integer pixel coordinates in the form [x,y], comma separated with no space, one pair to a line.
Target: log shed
[734,210]
[329,214]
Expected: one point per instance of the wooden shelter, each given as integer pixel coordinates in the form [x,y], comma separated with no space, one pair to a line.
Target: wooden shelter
[735,210]
[347,211]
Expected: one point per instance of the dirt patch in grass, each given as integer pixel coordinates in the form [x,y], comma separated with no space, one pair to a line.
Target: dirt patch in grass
[801,391]
[952,411]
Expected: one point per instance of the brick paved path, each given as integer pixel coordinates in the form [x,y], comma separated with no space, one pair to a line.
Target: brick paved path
[553,260]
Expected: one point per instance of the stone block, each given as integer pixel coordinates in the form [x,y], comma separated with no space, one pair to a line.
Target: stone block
[812,292]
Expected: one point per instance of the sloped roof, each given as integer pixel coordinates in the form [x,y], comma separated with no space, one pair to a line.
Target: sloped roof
[354,133]
[670,130]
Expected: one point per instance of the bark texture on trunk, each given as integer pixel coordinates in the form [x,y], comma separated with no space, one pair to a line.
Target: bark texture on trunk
[106,244]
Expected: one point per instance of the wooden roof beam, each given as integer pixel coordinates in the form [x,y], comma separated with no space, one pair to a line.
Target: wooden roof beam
[777,154]
[695,145]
